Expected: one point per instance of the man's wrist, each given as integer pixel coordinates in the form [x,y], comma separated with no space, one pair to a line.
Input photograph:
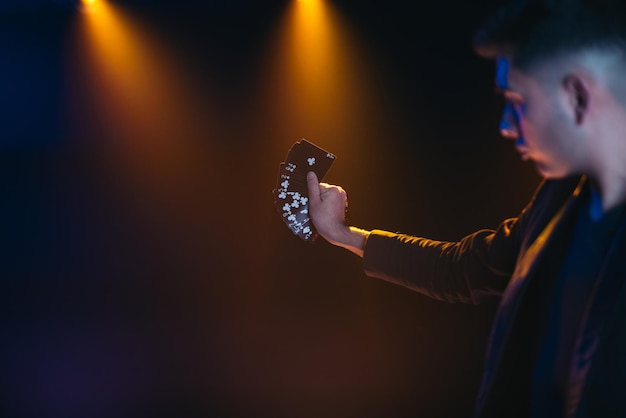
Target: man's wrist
[353,239]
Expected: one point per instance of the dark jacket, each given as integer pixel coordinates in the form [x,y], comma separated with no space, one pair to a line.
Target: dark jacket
[503,262]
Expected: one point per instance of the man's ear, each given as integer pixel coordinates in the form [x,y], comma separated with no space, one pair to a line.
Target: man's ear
[577,91]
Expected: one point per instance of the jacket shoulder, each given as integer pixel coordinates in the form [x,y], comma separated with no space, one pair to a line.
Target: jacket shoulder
[550,196]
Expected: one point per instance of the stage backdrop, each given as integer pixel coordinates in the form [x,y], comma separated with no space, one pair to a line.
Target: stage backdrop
[144,270]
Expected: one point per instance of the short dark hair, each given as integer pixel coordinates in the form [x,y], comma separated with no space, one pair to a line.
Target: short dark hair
[532,30]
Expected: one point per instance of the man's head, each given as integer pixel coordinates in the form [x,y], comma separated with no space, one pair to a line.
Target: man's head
[561,66]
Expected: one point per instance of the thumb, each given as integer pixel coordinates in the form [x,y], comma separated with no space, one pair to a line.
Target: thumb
[313,186]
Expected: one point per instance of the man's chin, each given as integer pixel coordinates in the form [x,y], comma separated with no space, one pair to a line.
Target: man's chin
[548,172]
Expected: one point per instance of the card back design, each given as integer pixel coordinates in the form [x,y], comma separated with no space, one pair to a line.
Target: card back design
[291,194]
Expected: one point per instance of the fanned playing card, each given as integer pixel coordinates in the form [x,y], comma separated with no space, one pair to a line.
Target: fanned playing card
[291,196]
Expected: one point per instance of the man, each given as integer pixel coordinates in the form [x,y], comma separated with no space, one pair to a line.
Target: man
[558,343]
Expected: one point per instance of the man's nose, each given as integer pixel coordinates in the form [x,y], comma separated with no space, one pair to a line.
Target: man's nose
[508,124]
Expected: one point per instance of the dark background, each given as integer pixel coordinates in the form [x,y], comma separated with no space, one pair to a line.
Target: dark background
[141,280]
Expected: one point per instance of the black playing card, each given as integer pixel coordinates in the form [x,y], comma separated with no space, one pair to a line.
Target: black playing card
[290,195]
[291,179]
[294,209]
[306,157]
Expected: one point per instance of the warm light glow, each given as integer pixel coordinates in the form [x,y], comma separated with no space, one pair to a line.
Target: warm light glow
[148,114]
[313,50]
[317,77]
[88,3]
[135,77]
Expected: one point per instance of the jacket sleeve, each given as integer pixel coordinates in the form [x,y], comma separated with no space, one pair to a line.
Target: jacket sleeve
[478,265]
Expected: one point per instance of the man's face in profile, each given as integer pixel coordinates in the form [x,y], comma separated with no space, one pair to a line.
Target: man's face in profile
[534,119]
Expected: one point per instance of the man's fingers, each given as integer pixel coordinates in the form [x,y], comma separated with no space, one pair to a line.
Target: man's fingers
[327,208]
[313,186]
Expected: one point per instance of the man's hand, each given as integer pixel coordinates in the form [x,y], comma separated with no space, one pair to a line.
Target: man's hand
[327,208]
